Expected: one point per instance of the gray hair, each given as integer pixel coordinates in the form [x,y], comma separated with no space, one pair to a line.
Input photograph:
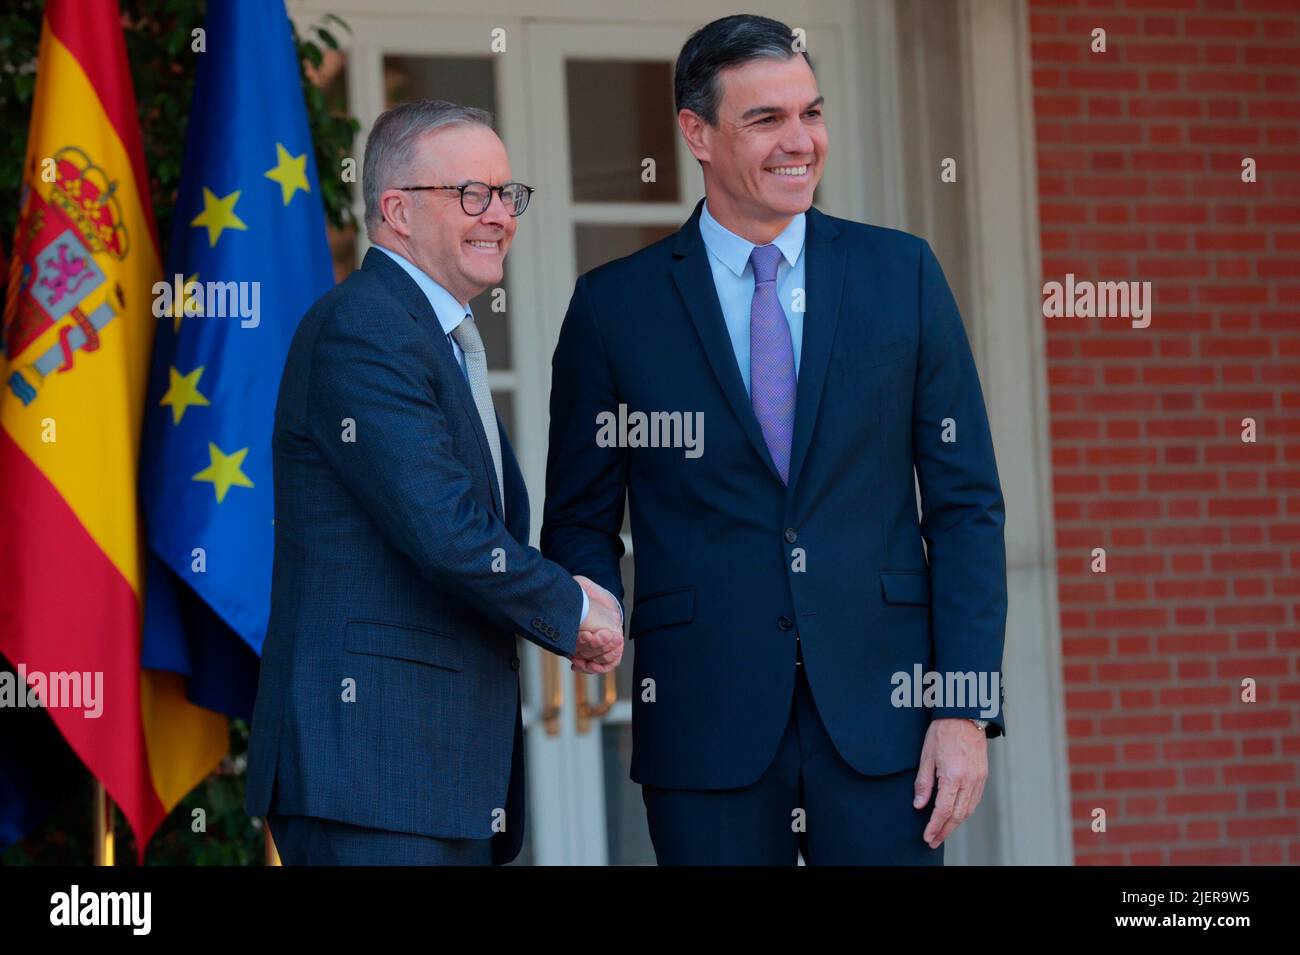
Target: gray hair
[390,147]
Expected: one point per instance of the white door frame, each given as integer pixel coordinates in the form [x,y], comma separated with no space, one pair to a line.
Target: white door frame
[1032,807]
[549,45]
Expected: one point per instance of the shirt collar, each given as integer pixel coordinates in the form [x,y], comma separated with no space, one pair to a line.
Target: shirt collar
[734,251]
[449,311]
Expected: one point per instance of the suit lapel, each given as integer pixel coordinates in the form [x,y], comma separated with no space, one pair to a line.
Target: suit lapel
[694,279]
[824,276]
[517,520]
[417,304]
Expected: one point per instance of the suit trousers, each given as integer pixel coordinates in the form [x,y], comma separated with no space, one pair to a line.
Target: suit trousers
[809,801]
[308,840]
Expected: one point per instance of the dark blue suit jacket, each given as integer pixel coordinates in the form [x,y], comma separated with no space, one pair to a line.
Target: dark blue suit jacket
[388,557]
[719,599]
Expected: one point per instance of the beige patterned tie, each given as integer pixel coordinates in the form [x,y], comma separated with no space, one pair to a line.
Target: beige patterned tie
[467,337]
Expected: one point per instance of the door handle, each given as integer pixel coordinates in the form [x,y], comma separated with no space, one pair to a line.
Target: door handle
[552,692]
[587,710]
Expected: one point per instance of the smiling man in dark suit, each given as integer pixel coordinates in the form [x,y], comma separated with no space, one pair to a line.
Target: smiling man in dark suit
[387,725]
[783,578]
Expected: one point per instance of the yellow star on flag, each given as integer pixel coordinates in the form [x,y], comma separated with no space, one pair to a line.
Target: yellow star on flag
[178,306]
[224,471]
[290,172]
[183,391]
[218,214]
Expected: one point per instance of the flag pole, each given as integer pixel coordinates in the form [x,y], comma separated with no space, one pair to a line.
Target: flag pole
[104,825]
[272,853]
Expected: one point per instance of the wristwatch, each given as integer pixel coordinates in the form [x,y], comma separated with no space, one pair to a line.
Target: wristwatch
[980,724]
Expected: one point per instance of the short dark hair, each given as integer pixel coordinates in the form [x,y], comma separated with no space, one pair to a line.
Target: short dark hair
[720,44]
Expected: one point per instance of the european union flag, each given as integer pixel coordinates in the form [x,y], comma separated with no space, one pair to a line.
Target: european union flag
[248,256]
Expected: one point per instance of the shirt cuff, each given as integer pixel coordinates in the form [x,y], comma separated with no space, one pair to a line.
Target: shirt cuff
[586,606]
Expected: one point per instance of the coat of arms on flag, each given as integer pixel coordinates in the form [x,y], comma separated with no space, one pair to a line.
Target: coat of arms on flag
[54,276]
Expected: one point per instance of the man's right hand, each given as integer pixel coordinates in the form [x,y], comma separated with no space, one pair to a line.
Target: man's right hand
[600,634]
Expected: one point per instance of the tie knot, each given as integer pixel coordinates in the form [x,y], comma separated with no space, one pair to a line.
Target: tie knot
[467,336]
[765,259]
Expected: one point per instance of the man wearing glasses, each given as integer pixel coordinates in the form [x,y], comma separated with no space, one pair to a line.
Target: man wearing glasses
[387,725]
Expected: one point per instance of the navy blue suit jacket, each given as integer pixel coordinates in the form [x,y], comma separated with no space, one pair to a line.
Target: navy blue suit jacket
[389,552]
[720,592]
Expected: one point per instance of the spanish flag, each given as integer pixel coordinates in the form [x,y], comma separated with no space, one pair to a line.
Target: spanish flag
[78,329]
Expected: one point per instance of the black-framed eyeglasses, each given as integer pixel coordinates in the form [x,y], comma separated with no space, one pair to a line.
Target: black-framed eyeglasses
[476,196]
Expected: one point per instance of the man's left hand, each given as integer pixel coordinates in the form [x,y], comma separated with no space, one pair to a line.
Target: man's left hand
[956,752]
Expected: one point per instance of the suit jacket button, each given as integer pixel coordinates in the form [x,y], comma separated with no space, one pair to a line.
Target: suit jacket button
[537,622]
[784,623]
[514,664]
[790,535]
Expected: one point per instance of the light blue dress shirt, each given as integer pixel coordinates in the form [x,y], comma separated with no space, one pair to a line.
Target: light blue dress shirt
[450,314]
[733,277]
[449,311]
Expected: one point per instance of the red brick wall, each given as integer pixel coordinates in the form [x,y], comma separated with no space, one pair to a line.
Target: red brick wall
[1139,165]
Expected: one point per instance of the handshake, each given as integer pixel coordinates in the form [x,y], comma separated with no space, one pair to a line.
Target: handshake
[600,635]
